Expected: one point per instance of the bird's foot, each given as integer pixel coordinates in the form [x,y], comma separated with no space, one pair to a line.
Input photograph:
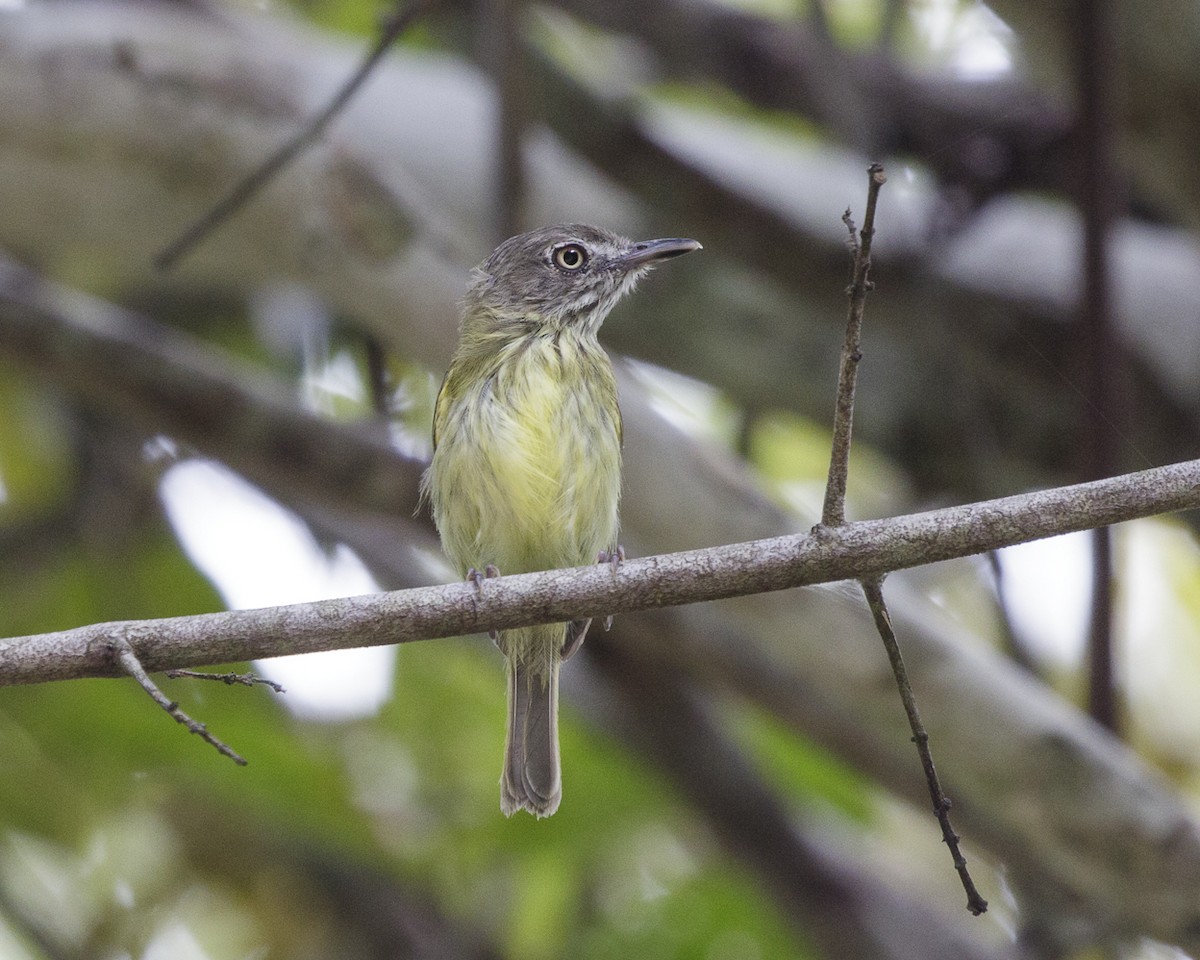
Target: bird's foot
[475,578]
[614,560]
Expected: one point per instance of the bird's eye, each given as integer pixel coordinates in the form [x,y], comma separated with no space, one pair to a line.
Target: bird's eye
[570,256]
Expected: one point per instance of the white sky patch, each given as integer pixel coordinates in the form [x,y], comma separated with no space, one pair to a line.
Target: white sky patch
[972,39]
[337,378]
[258,554]
[176,942]
[1048,588]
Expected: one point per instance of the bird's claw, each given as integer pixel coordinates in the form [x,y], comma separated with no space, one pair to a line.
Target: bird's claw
[475,578]
[614,560]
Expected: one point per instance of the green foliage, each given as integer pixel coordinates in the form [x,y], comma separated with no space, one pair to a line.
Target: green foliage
[34,449]
[799,768]
[623,869]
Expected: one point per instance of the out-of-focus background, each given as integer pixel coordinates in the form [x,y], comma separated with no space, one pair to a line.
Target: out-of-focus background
[248,428]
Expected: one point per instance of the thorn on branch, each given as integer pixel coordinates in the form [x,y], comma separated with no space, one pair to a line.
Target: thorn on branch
[129,662]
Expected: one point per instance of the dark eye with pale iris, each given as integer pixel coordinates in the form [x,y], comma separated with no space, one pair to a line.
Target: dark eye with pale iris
[570,256]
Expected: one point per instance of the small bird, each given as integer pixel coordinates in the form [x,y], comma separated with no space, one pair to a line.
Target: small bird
[526,469]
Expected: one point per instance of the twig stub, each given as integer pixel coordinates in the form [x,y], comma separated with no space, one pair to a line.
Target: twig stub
[229,679]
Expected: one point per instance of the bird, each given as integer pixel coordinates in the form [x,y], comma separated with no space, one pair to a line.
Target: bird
[526,466]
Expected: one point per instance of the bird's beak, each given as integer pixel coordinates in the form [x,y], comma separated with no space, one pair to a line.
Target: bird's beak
[651,251]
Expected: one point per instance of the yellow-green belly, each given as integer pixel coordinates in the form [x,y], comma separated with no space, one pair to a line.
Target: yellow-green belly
[527,470]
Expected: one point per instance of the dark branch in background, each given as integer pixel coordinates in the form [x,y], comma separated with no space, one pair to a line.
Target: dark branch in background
[66,337]
[124,654]
[834,515]
[503,50]
[984,136]
[378,381]
[1098,347]
[243,192]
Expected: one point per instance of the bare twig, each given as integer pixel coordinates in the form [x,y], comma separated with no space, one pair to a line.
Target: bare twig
[834,511]
[834,515]
[122,650]
[245,190]
[873,591]
[229,679]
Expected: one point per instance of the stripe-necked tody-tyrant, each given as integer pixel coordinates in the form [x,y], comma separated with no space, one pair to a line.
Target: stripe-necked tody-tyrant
[526,470]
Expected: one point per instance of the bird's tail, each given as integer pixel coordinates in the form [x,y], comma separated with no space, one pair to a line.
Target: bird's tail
[532,778]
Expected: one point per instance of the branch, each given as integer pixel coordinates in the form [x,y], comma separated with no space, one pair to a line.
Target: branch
[229,679]
[860,550]
[987,135]
[128,659]
[873,591]
[164,381]
[1099,348]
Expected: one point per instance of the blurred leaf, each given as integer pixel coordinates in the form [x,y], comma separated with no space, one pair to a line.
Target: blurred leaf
[35,449]
[801,770]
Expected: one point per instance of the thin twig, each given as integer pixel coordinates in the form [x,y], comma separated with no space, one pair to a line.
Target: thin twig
[834,512]
[229,679]
[246,189]
[872,588]
[130,663]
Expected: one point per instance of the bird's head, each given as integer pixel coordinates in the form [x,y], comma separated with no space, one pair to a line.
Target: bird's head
[566,276]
